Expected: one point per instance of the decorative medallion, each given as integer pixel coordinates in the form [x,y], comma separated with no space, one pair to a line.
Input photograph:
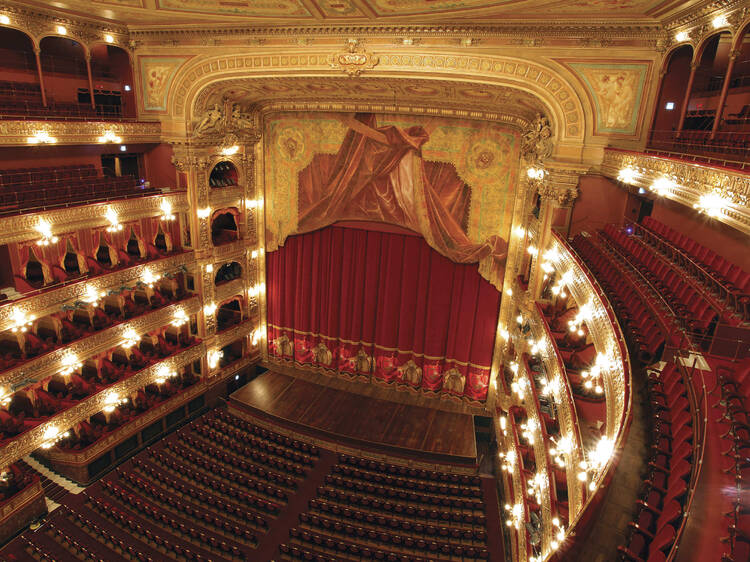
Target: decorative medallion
[355,60]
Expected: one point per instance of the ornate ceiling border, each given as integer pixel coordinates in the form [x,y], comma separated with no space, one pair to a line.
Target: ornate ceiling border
[545,83]
[17,133]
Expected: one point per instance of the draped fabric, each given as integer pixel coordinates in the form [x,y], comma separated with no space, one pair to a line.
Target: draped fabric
[378,175]
[364,302]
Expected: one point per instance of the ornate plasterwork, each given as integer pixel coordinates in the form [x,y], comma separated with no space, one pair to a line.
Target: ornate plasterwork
[51,301]
[17,133]
[689,182]
[30,440]
[18,228]
[230,289]
[354,60]
[530,76]
[50,363]
[233,334]
[537,141]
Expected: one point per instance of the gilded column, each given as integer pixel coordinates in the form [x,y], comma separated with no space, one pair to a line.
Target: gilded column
[683,110]
[37,52]
[724,90]
[91,80]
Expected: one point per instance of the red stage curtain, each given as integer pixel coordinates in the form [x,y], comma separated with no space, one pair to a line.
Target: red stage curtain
[361,301]
[378,175]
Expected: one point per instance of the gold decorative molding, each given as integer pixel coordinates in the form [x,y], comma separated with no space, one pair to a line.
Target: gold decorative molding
[51,300]
[19,228]
[233,251]
[689,181]
[220,197]
[241,330]
[17,133]
[229,289]
[30,440]
[354,60]
[23,497]
[50,363]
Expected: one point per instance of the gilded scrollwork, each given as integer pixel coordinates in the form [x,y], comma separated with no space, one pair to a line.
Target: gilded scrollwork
[17,133]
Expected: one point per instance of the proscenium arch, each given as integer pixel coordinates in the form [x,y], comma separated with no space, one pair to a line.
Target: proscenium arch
[565,107]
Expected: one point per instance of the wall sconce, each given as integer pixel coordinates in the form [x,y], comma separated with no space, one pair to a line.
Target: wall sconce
[254,254]
[593,377]
[69,364]
[597,459]
[230,150]
[528,430]
[114,221]
[681,36]
[163,373]
[61,30]
[209,309]
[149,278]
[584,314]
[257,334]
[204,213]
[558,289]
[109,39]
[213,358]
[713,204]
[109,136]
[41,137]
[166,210]
[5,396]
[503,424]
[520,387]
[112,401]
[536,487]
[719,21]
[662,186]
[561,447]
[180,318]
[532,250]
[21,321]
[535,173]
[44,228]
[130,338]
[5,20]
[508,461]
[627,175]
[515,514]
[52,435]
[210,268]
[91,295]
[519,231]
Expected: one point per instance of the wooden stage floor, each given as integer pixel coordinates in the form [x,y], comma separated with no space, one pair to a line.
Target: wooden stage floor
[356,420]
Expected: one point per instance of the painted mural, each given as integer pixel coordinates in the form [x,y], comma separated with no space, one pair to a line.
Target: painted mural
[451,180]
[616,90]
[157,74]
[268,8]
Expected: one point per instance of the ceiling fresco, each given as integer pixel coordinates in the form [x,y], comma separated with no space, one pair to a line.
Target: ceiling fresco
[173,12]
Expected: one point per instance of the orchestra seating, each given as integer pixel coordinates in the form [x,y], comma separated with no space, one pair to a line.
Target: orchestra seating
[221,486]
[25,190]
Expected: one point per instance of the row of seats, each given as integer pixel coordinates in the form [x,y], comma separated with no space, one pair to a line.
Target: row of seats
[663,497]
[27,176]
[726,279]
[732,416]
[428,476]
[696,311]
[12,108]
[639,320]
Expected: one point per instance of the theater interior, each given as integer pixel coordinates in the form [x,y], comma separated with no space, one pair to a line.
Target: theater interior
[397,280]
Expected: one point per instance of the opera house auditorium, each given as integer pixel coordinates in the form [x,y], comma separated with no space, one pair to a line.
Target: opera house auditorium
[393,280]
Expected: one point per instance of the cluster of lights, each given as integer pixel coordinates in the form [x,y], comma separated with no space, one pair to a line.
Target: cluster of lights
[663,186]
[558,289]
[41,137]
[592,379]
[109,136]
[149,278]
[515,515]
[111,402]
[529,429]
[91,295]
[109,39]
[712,204]
[180,318]
[256,289]
[230,150]
[720,21]
[551,388]
[535,173]
[508,461]
[532,250]
[163,373]
[520,387]
[559,537]
[560,447]
[52,435]
[536,487]
[204,213]
[21,321]
[44,228]
[257,334]
[503,424]
[584,314]
[210,308]
[597,460]
[5,20]
[681,36]
[70,364]
[254,203]
[166,210]
[130,338]
[113,219]
[627,175]
[535,346]
[214,357]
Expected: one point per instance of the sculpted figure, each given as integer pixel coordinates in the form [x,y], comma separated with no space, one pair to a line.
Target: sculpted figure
[210,120]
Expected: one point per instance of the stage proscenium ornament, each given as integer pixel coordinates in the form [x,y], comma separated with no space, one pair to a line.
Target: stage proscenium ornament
[354,60]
